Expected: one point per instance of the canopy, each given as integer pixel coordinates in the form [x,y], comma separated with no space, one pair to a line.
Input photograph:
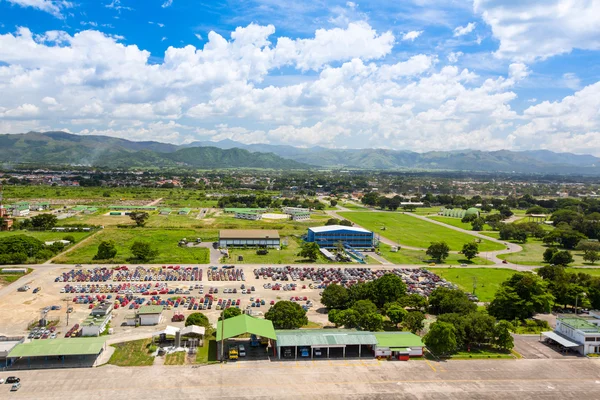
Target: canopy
[59,347]
[245,324]
[193,329]
[169,330]
[557,338]
[324,338]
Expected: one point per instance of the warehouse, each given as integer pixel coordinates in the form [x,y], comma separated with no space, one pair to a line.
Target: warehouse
[330,236]
[261,330]
[249,237]
[145,315]
[133,208]
[324,343]
[165,211]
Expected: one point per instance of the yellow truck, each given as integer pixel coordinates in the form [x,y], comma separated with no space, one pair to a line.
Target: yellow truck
[233,353]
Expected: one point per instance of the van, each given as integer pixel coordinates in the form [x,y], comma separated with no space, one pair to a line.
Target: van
[242,350]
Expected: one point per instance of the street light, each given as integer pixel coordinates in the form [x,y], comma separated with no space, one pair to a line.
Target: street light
[583,294]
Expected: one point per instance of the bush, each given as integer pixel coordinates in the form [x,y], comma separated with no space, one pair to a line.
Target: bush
[70,238]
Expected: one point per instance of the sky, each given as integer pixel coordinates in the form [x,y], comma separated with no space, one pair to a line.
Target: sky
[416,75]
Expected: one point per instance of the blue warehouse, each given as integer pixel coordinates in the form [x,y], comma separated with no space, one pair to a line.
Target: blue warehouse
[329,236]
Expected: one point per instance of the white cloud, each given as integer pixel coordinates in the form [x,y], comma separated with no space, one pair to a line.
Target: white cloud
[163,39]
[533,30]
[571,81]
[198,36]
[23,111]
[351,4]
[51,101]
[167,3]
[454,56]
[412,35]
[54,7]
[464,30]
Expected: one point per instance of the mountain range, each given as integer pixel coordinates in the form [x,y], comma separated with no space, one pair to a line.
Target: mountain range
[61,148]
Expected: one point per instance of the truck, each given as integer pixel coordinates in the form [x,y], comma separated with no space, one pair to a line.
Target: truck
[233,352]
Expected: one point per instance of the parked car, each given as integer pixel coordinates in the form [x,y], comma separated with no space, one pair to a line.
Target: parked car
[37,289]
[13,379]
[242,350]
[15,387]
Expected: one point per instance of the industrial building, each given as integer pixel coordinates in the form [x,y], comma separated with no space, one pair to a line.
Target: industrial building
[398,345]
[250,215]
[330,236]
[165,211]
[249,237]
[299,215]
[184,211]
[233,210]
[133,208]
[324,343]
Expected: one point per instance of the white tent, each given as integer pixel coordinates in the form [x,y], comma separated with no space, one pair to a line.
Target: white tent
[169,330]
[195,329]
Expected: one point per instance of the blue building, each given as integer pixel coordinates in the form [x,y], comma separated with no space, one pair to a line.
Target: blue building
[329,236]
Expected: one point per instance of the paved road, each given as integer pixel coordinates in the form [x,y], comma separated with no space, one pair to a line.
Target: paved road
[352,379]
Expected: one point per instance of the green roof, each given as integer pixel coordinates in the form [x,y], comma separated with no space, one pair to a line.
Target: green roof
[59,347]
[97,321]
[150,310]
[185,210]
[324,337]
[165,210]
[245,324]
[234,210]
[580,323]
[398,339]
[79,208]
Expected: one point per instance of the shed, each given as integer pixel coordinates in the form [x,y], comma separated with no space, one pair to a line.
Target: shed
[249,237]
[398,345]
[324,343]
[150,315]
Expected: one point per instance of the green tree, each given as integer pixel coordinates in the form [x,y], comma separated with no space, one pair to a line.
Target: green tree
[441,338]
[230,313]
[106,250]
[549,253]
[139,217]
[335,296]
[310,251]
[44,221]
[198,319]
[444,300]
[334,317]
[345,222]
[477,224]
[438,251]
[520,236]
[287,315]
[347,318]
[502,337]
[333,203]
[591,256]
[143,251]
[562,258]
[70,238]
[364,307]
[371,322]
[414,301]
[332,221]
[470,250]
[387,289]
[414,321]
[521,296]
[396,314]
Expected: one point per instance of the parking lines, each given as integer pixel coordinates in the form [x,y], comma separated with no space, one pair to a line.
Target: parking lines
[430,366]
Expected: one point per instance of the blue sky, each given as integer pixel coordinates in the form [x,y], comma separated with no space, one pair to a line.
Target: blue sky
[417,75]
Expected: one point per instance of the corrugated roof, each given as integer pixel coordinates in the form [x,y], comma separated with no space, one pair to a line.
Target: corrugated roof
[246,324]
[398,339]
[332,228]
[324,337]
[59,347]
[150,310]
[248,234]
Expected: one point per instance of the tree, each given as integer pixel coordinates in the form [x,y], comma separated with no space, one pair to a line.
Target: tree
[198,319]
[444,300]
[562,258]
[347,318]
[387,289]
[364,307]
[70,238]
[309,250]
[44,221]
[438,251]
[371,322]
[591,255]
[230,313]
[468,218]
[370,199]
[441,338]
[333,203]
[396,314]
[493,220]
[505,212]
[287,315]
[413,321]
[502,337]
[549,253]
[143,251]
[106,250]
[139,217]
[414,301]
[477,224]
[520,236]
[335,296]
[521,296]
[333,316]
[345,222]
[470,250]
[332,221]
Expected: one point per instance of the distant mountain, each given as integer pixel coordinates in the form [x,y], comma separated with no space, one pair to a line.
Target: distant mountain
[61,148]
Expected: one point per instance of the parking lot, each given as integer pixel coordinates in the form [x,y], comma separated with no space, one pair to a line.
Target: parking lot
[530,346]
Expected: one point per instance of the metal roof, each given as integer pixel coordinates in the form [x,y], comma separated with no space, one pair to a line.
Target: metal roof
[398,339]
[193,329]
[581,324]
[245,324]
[324,337]
[150,310]
[333,228]
[59,347]
[557,338]
[248,234]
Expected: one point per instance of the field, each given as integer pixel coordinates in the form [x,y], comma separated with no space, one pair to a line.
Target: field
[132,354]
[207,354]
[352,206]
[285,227]
[6,278]
[488,279]
[412,257]
[532,254]
[166,241]
[457,223]
[414,232]
[175,358]
[47,236]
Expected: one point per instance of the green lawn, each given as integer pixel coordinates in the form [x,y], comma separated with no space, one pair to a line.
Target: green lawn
[488,279]
[132,354]
[46,236]
[312,325]
[352,206]
[589,271]
[478,353]
[532,254]
[426,210]
[207,354]
[457,222]
[284,226]
[174,220]
[405,256]
[6,278]
[411,231]
[175,358]
[492,234]
[166,241]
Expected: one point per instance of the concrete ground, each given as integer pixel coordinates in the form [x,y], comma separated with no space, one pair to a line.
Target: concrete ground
[530,346]
[357,379]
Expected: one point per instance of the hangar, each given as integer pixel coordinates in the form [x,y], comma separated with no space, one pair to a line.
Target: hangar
[61,352]
[330,236]
[249,237]
[241,325]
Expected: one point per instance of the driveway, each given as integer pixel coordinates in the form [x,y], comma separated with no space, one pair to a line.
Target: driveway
[530,347]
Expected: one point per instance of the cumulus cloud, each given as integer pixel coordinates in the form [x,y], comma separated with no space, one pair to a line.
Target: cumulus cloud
[54,7]
[464,30]
[528,31]
[412,35]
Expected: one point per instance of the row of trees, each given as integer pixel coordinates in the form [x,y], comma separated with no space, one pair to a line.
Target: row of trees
[142,251]
[42,222]
[18,249]
[439,251]
[265,201]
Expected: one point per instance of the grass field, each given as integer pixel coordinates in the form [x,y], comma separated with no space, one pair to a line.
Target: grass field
[7,278]
[132,354]
[285,227]
[47,236]
[175,358]
[166,241]
[457,223]
[419,257]
[589,271]
[492,234]
[532,254]
[479,353]
[411,231]
[207,354]
[488,279]
[351,206]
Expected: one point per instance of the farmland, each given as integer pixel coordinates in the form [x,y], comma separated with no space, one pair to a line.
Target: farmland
[487,280]
[414,232]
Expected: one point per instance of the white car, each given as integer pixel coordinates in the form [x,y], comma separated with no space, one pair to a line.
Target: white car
[1,381]
[242,350]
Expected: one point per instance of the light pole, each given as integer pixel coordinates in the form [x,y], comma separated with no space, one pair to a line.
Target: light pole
[583,294]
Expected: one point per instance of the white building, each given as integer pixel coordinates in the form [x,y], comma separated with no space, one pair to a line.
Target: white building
[290,210]
[95,325]
[580,334]
[251,215]
[150,315]
[300,216]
